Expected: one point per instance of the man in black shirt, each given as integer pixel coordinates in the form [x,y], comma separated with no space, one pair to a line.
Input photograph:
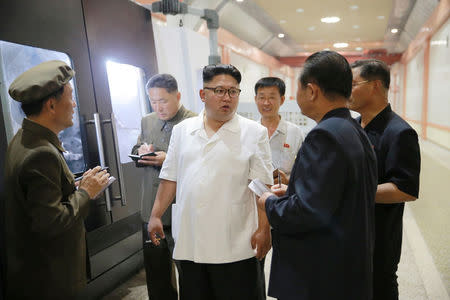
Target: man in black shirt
[398,154]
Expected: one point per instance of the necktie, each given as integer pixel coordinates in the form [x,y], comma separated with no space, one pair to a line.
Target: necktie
[166,132]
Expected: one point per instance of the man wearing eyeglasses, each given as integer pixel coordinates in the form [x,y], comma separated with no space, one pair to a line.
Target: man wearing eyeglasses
[398,154]
[322,222]
[216,226]
[156,129]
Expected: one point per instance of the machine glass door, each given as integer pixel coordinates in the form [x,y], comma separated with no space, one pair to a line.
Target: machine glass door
[129,104]
[14,60]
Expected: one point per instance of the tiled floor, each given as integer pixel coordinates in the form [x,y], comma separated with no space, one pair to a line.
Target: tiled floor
[134,289]
[411,284]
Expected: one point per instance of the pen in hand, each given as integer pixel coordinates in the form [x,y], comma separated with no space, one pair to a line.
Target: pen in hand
[102,169]
[146,148]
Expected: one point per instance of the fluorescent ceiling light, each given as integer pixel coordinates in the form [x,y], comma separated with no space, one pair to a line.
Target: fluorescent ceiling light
[439,42]
[281,35]
[354,7]
[340,45]
[358,48]
[330,19]
[394,30]
[380,17]
[239,0]
[299,10]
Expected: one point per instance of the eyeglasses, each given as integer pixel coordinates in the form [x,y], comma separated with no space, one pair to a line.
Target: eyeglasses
[360,82]
[220,91]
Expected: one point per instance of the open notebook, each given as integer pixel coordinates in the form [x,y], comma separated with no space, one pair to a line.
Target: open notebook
[258,187]
[111,179]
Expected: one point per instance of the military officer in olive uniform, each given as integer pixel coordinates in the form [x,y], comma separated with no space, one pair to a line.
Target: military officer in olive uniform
[45,248]
[156,129]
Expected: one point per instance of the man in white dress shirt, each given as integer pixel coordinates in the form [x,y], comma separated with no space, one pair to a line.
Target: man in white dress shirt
[285,138]
[218,231]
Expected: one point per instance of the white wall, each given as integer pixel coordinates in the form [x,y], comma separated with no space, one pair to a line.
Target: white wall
[414,87]
[432,209]
[439,80]
[251,72]
[396,88]
[182,53]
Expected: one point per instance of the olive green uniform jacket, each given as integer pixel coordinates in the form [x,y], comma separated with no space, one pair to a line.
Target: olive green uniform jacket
[45,235]
[157,132]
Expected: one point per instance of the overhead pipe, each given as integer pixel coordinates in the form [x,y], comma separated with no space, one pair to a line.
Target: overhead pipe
[174,7]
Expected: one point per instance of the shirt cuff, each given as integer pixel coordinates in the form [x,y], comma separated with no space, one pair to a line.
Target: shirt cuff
[270,202]
[167,177]
[83,202]
[406,187]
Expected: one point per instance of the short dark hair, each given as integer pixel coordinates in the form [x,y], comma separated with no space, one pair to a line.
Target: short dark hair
[330,71]
[271,81]
[210,71]
[35,108]
[164,81]
[374,69]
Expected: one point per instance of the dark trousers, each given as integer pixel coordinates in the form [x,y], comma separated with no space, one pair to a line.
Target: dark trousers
[263,276]
[385,286]
[231,281]
[159,267]
[385,265]
[387,250]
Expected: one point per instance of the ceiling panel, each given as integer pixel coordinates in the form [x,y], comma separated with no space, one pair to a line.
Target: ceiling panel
[364,24]
[306,28]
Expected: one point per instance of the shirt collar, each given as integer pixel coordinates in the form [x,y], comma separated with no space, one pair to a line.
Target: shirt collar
[179,115]
[175,119]
[232,125]
[43,132]
[380,120]
[341,112]
[198,122]
[282,126]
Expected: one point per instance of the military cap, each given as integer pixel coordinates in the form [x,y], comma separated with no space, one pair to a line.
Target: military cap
[40,81]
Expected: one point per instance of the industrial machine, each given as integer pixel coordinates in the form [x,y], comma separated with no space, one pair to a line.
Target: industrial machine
[110,45]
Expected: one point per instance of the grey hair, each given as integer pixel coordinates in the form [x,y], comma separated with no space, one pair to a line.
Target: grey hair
[164,81]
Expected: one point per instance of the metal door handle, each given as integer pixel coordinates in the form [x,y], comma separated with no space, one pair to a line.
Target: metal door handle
[101,154]
[119,165]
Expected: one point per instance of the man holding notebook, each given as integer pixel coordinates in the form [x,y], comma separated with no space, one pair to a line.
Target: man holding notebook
[45,234]
[156,129]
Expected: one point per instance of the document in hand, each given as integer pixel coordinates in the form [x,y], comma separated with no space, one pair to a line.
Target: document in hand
[258,187]
[138,157]
[111,179]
